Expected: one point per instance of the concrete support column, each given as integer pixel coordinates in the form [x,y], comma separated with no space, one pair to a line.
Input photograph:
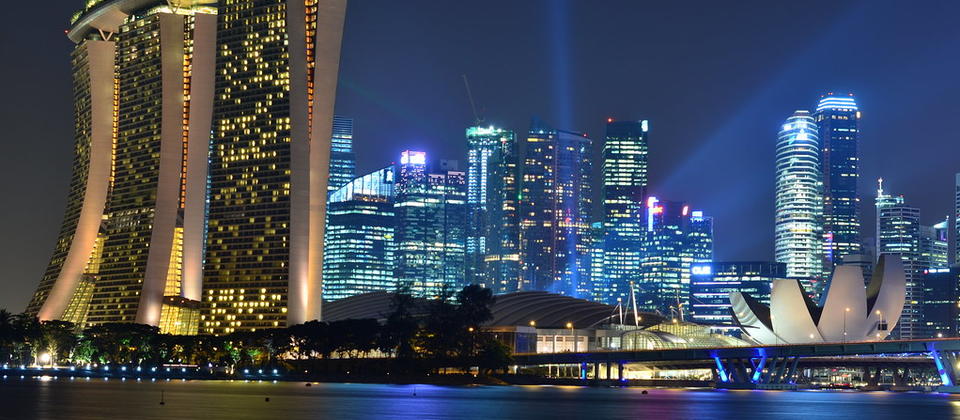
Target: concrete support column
[620,371]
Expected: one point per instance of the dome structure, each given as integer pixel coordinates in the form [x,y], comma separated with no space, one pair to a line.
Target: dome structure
[850,313]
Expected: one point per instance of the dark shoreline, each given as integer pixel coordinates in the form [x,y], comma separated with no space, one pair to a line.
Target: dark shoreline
[308,380]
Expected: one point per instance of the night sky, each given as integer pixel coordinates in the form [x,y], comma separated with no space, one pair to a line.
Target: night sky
[716,80]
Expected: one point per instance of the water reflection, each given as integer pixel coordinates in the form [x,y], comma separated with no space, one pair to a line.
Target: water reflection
[61,398]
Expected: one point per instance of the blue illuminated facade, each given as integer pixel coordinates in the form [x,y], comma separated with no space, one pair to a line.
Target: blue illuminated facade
[624,186]
[430,234]
[941,302]
[711,284]
[838,120]
[555,200]
[342,159]
[798,221]
[358,244]
[675,239]
[493,225]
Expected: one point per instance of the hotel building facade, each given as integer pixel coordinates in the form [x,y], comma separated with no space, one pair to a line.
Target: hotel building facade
[196,116]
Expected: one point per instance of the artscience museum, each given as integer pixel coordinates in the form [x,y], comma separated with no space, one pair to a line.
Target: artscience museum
[850,312]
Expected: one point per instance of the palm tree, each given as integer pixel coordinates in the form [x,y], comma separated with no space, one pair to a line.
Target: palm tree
[6,335]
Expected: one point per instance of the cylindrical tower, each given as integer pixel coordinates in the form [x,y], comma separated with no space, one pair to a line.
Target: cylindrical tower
[799,201]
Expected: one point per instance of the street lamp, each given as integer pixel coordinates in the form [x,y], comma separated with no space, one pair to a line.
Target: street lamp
[533,323]
[845,324]
[574,334]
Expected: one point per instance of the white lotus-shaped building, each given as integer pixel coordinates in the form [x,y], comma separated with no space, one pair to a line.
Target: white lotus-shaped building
[851,312]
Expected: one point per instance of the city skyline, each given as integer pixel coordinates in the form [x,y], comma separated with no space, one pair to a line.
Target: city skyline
[669,173]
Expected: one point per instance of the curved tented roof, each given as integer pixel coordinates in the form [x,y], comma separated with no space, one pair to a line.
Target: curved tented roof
[376,305]
[548,310]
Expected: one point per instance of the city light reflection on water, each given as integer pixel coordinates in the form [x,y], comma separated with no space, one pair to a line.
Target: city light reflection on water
[61,398]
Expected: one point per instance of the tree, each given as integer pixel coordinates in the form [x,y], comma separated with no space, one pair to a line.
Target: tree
[401,326]
[493,355]
[27,336]
[7,335]
[58,339]
[355,336]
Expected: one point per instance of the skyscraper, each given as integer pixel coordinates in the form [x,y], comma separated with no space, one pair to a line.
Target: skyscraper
[956,220]
[358,252]
[342,159]
[276,66]
[838,118]
[131,240]
[493,231]
[675,238]
[555,204]
[934,248]
[711,284]
[430,233]
[941,302]
[898,233]
[799,202]
[624,185]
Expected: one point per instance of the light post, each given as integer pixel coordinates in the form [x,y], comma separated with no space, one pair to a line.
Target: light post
[880,323]
[845,324]
[573,333]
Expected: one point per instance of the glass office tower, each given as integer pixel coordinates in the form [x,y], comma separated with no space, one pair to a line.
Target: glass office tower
[711,284]
[899,233]
[277,64]
[941,302]
[799,202]
[430,233]
[675,238]
[838,119]
[342,159]
[358,251]
[555,204]
[493,231]
[624,185]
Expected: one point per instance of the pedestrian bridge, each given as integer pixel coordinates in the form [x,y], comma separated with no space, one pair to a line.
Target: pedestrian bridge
[765,366]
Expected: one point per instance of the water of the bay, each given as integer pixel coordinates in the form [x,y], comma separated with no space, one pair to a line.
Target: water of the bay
[80,398]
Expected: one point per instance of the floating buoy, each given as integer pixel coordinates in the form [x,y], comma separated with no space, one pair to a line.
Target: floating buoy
[644,392]
[309,384]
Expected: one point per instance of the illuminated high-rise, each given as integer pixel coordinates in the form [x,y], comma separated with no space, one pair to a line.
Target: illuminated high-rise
[358,251]
[131,241]
[430,233]
[838,119]
[899,233]
[799,201]
[934,247]
[711,284]
[956,220]
[624,185]
[342,159]
[276,63]
[493,231]
[555,205]
[674,239]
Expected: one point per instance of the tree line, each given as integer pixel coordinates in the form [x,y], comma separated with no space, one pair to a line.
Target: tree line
[446,333]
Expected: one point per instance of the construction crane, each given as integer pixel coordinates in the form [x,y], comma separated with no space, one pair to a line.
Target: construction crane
[477,119]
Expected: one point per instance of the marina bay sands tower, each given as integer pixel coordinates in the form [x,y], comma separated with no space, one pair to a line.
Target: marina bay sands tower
[202,140]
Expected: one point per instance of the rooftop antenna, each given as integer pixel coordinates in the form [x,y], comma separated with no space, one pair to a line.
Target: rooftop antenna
[473,105]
